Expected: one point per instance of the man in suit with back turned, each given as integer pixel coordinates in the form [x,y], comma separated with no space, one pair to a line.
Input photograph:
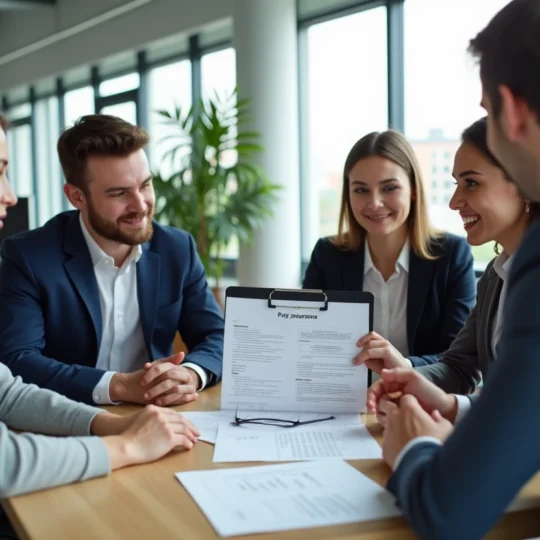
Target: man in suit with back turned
[92,300]
[459,488]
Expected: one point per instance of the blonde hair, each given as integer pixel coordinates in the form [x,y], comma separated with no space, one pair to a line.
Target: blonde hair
[390,145]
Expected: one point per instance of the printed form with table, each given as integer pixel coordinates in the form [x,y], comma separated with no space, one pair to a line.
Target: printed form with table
[290,392]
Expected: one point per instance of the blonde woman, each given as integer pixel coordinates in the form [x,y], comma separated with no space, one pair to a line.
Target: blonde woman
[423,280]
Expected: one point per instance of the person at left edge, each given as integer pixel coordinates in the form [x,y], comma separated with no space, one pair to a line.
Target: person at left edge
[423,280]
[90,299]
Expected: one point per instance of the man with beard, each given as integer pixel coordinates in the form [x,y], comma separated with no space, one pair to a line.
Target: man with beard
[459,488]
[92,300]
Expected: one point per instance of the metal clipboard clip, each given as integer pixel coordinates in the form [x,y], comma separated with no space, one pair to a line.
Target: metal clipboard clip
[298,299]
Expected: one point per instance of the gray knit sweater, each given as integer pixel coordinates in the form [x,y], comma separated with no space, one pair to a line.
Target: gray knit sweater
[32,462]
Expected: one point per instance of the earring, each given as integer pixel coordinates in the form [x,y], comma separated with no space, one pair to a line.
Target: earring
[527,206]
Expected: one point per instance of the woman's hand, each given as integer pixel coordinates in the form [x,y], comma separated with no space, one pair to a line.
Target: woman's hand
[378,354]
[151,434]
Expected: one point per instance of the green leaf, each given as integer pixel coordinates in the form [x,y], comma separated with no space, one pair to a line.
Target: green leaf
[216,191]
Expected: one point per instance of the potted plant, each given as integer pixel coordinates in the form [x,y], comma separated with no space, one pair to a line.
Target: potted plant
[216,191]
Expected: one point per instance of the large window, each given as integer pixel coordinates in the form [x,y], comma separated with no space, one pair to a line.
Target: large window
[218,79]
[109,87]
[49,179]
[442,93]
[21,153]
[169,87]
[126,110]
[345,97]
[218,73]
[78,103]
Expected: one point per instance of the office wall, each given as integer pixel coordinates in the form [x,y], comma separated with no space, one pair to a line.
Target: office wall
[155,20]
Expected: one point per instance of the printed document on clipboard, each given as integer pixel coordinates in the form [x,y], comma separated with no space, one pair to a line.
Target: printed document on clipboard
[293,350]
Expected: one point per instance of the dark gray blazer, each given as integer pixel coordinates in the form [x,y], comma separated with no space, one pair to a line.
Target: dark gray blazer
[470,355]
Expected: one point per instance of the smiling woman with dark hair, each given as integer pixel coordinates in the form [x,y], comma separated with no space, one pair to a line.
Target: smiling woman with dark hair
[492,209]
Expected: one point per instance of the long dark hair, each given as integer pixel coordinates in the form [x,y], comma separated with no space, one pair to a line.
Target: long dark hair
[476,135]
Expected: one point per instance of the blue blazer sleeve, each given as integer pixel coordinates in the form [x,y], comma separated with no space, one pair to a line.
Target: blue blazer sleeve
[460,489]
[456,302]
[201,321]
[22,333]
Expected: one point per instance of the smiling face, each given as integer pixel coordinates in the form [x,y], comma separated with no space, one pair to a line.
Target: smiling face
[380,196]
[490,205]
[119,203]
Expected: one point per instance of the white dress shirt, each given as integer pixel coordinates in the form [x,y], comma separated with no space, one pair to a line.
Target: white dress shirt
[502,267]
[122,348]
[390,306]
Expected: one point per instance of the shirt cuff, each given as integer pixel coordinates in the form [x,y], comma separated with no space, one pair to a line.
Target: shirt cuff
[201,372]
[411,444]
[101,394]
[463,407]
[409,363]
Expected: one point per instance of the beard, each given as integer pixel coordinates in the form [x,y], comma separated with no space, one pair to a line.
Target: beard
[112,230]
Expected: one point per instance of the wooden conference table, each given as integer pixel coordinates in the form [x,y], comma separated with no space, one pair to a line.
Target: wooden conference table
[147,501]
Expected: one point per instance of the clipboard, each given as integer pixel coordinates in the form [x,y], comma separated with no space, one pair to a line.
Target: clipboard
[318,298]
[308,302]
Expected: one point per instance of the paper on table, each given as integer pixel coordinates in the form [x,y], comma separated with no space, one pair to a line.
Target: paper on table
[207,422]
[242,443]
[293,359]
[286,496]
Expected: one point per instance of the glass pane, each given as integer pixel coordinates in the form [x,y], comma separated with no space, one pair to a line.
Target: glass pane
[347,97]
[131,81]
[127,111]
[442,93]
[12,169]
[18,94]
[20,111]
[49,181]
[218,77]
[78,103]
[77,76]
[169,86]
[22,153]
[313,8]
[116,63]
[218,73]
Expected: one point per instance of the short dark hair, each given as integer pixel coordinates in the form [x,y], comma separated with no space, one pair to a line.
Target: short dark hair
[4,122]
[96,135]
[508,50]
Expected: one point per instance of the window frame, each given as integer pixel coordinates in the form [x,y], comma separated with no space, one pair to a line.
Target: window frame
[396,85]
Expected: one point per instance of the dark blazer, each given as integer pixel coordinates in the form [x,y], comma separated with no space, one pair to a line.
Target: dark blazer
[440,295]
[471,353]
[461,489]
[50,316]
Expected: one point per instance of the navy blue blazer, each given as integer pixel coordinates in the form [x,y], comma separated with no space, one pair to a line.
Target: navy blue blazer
[460,490]
[50,316]
[441,293]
